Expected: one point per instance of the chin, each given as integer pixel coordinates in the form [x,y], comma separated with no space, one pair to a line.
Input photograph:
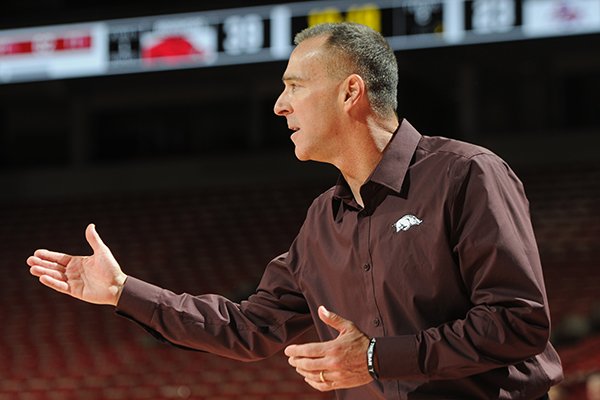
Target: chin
[299,151]
[302,156]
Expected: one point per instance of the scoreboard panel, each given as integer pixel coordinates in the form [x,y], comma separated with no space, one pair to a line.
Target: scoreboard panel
[265,33]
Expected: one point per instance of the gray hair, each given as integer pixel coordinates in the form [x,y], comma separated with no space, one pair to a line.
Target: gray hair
[367,54]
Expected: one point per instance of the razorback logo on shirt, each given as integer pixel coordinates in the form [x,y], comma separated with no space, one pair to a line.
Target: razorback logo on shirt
[406,222]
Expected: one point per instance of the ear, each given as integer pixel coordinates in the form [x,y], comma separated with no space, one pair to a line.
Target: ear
[354,91]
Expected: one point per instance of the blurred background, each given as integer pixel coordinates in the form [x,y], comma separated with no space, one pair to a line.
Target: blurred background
[155,122]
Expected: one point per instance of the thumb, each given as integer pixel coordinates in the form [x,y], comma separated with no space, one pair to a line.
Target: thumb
[335,321]
[93,238]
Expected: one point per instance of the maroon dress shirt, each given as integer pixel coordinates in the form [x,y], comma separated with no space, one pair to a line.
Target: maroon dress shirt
[440,265]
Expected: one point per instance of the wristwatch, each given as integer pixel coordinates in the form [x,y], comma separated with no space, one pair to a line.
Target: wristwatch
[371,359]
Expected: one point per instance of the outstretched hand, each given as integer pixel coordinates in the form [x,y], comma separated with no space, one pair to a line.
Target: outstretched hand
[337,364]
[96,279]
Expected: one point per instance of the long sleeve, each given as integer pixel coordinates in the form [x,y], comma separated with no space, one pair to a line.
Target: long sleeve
[494,247]
[254,329]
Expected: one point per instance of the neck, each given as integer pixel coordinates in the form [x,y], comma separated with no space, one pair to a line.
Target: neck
[364,151]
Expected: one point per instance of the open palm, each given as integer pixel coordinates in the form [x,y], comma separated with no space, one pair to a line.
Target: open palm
[95,279]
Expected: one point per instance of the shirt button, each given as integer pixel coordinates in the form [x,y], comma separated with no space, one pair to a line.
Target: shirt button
[366,267]
[376,322]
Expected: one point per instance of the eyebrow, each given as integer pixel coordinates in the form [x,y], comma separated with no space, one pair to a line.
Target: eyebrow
[287,78]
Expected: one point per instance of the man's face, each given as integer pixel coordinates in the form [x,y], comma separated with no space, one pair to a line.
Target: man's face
[311,102]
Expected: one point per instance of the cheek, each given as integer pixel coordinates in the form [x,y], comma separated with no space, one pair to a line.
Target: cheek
[317,110]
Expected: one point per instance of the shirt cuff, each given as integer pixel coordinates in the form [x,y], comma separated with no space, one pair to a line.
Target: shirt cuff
[397,357]
[138,300]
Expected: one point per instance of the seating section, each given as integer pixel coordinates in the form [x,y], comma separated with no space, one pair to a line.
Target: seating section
[213,241]
[219,240]
[566,218]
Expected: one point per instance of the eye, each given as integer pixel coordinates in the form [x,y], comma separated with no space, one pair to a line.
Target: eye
[293,86]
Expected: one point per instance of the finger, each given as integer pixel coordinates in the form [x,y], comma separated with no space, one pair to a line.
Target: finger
[316,375]
[320,386]
[335,321]
[60,258]
[306,350]
[310,364]
[306,374]
[34,261]
[93,238]
[40,271]
[55,284]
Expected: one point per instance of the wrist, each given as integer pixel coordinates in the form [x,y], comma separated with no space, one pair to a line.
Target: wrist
[117,288]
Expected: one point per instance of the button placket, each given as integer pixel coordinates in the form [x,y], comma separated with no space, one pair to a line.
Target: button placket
[367,271]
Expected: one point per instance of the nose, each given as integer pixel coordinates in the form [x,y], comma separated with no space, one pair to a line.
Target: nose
[282,107]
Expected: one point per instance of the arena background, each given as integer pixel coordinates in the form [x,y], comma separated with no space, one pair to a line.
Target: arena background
[192,182]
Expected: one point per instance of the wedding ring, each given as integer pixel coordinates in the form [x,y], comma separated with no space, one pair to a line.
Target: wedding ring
[322,377]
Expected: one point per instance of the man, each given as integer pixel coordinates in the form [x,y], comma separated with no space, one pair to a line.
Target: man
[423,251]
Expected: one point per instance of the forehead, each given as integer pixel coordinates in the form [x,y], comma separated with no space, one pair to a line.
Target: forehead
[308,60]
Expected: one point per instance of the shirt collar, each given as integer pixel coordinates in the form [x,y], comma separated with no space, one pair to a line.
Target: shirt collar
[391,170]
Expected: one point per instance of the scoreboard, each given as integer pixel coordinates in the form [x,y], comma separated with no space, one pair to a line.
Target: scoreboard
[265,33]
